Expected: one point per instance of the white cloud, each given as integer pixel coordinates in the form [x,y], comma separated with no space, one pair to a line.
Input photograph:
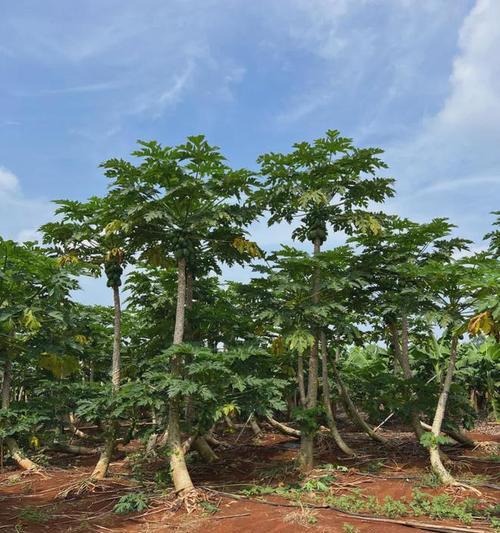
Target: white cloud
[8,181]
[20,217]
[451,165]
[460,142]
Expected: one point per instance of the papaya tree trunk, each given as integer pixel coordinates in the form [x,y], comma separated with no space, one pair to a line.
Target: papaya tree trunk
[180,474]
[6,383]
[351,409]
[306,452]
[332,425]
[402,355]
[457,436]
[436,463]
[102,466]
[117,338]
[282,428]
[300,380]
[73,425]
[257,431]
[203,448]
[11,443]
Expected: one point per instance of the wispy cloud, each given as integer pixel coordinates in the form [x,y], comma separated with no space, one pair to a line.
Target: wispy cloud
[89,88]
[155,103]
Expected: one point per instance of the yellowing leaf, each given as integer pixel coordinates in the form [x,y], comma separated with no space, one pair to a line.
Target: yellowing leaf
[481,323]
[313,197]
[67,259]
[116,255]
[244,246]
[367,224]
[60,366]
[30,320]
[229,409]
[155,257]
[81,339]
[113,227]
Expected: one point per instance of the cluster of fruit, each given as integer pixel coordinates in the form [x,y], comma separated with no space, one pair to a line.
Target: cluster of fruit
[183,247]
[114,273]
[317,230]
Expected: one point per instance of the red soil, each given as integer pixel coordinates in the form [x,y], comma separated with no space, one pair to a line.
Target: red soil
[247,462]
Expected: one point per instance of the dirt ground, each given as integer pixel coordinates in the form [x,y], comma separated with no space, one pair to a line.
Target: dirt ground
[32,503]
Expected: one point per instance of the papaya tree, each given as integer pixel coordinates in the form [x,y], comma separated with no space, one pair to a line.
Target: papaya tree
[34,297]
[326,184]
[398,295]
[185,206]
[287,305]
[455,285]
[85,235]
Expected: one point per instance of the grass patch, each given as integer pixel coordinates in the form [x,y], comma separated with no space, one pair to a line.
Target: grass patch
[34,515]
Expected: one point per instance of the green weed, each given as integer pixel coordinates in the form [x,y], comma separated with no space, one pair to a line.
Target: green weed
[34,515]
[134,502]
[349,528]
[209,508]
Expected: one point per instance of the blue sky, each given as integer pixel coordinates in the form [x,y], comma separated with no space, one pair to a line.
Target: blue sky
[82,81]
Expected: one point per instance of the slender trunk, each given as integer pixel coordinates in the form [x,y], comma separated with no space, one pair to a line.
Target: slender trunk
[180,312]
[435,457]
[102,466]
[300,380]
[257,431]
[163,439]
[352,409]
[337,437]
[209,437]
[18,455]
[6,384]
[203,448]
[180,474]
[188,326]
[72,421]
[10,442]
[291,404]
[117,333]
[229,423]
[282,428]
[402,355]
[152,443]
[74,450]
[306,452]
[188,337]
[455,435]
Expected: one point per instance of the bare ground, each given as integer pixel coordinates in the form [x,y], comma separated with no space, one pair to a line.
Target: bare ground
[32,503]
